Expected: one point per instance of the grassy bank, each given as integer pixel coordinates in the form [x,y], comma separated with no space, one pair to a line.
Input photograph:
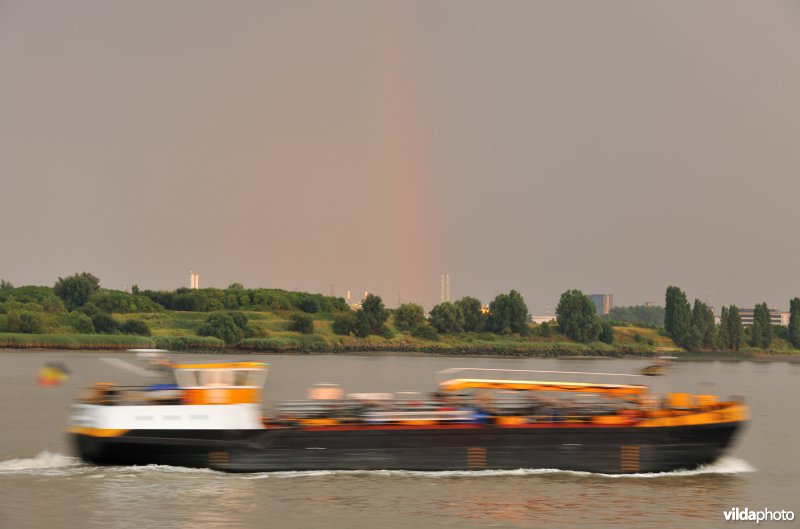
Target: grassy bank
[72,341]
[177,331]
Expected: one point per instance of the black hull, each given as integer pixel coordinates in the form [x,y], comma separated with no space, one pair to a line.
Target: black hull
[617,450]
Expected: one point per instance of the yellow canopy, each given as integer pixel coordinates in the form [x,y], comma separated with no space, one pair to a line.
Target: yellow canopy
[536,385]
[222,365]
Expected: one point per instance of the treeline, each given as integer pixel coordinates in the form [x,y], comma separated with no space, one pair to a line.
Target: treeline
[79,303]
[236,297]
[641,315]
[75,302]
[507,314]
[693,327]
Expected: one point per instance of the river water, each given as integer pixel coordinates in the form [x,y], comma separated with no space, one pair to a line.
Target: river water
[43,485]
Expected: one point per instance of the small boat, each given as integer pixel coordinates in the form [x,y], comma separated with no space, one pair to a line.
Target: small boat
[211,417]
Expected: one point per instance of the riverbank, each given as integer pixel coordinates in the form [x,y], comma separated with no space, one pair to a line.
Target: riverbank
[178,331]
[404,346]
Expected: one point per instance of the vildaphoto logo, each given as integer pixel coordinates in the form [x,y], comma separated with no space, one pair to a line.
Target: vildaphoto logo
[763,515]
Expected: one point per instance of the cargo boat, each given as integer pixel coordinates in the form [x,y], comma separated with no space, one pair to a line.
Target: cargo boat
[211,417]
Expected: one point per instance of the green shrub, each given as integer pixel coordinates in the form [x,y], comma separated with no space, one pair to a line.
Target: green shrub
[24,322]
[230,327]
[53,304]
[425,331]
[105,324]
[344,323]
[301,323]
[122,302]
[81,322]
[188,343]
[606,332]
[308,303]
[408,316]
[544,330]
[76,289]
[137,327]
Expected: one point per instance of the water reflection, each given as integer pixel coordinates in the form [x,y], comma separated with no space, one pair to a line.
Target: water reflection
[559,501]
[202,500]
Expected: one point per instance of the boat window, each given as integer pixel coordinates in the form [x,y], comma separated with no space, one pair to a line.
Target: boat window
[186,377]
[216,377]
[241,377]
[256,378]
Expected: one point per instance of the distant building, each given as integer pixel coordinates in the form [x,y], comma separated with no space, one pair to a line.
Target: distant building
[776,317]
[603,303]
[543,319]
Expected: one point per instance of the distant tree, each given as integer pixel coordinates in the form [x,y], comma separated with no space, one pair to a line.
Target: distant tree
[362,327]
[723,333]
[137,327]
[735,329]
[508,313]
[474,319]
[31,322]
[606,333]
[447,318]
[425,331]
[28,322]
[794,322]
[408,316]
[6,285]
[135,290]
[53,304]
[308,304]
[13,321]
[122,302]
[677,315]
[76,289]
[302,323]
[235,286]
[90,309]
[371,317]
[105,324]
[761,331]
[81,322]
[344,323]
[637,314]
[544,330]
[577,316]
[703,323]
[385,332]
[222,325]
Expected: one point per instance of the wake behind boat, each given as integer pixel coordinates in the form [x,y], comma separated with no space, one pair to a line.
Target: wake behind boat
[478,419]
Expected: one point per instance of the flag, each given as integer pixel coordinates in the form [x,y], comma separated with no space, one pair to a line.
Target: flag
[52,374]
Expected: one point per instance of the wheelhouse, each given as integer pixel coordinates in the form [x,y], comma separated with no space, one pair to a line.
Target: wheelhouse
[221,382]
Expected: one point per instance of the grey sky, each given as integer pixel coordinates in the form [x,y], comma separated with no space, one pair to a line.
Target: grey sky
[616,146]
